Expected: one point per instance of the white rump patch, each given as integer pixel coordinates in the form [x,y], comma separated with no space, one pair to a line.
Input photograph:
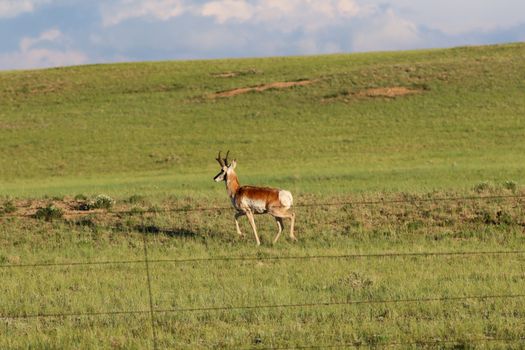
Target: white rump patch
[286,199]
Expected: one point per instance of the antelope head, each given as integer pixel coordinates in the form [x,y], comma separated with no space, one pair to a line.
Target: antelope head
[225,167]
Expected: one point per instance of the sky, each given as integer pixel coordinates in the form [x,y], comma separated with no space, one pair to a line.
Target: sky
[51,33]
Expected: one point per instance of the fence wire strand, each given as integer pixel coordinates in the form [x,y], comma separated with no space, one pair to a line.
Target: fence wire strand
[139,211]
[270,258]
[267,306]
[343,303]
[339,203]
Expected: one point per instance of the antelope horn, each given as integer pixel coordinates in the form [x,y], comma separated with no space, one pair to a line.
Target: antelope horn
[226,158]
[218,159]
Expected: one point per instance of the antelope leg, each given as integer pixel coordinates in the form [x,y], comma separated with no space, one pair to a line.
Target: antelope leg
[237,216]
[249,214]
[280,225]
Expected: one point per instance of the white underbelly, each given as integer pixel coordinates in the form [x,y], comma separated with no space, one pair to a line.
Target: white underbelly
[257,206]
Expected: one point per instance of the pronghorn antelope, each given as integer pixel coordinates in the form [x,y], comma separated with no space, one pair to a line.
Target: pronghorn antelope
[250,200]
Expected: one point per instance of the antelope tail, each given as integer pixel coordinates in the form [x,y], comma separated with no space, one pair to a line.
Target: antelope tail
[286,199]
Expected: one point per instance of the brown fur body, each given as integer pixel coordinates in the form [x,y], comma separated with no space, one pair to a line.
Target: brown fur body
[270,196]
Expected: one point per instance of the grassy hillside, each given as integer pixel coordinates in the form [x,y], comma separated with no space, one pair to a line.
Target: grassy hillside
[153,128]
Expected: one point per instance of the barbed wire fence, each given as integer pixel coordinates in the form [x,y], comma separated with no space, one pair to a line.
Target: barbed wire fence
[152,311]
[414,200]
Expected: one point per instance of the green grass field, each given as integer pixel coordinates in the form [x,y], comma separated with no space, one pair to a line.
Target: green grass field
[150,127]
[147,134]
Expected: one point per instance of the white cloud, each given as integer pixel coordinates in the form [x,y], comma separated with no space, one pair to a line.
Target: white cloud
[121,10]
[348,7]
[454,17]
[387,32]
[225,10]
[41,58]
[32,53]
[51,35]
[286,15]
[13,8]
[311,46]
[268,27]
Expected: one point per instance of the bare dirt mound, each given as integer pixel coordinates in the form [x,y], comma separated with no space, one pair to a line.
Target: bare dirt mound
[259,88]
[393,92]
[390,92]
[231,74]
[225,75]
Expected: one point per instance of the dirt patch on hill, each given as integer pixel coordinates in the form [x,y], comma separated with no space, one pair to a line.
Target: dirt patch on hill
[231,74]
[382,92]
[225,75]
[260,88]
[390,92]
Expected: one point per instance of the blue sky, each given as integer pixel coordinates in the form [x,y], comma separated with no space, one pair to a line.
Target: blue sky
[49,33]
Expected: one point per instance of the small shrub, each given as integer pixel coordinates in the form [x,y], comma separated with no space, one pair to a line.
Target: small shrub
[483,187]
[49,213]
[154,209]
[136,210]
[500,217]
[356,281]
[103,201]
[80,197]
[9,207]
[487,217]
[86,222]
[135,199]
[84,206]
[331,95]
[415,225]
[504,218]
[510,185]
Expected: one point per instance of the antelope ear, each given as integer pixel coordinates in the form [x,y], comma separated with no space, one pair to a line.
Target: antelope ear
[233,164]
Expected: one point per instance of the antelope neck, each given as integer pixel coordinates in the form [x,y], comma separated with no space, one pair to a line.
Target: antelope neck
[232,184]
